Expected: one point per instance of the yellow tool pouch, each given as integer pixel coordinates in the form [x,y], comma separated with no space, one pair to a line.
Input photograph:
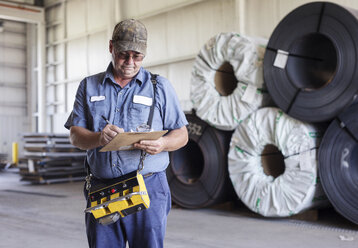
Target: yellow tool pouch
[118,197]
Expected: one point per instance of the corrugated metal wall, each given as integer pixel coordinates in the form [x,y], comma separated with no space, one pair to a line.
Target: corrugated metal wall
[77,45]
[262,16]
[78,32]
[13,83]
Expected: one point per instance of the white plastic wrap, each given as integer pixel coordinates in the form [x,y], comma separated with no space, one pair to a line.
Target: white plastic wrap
[245,56]
[295,190]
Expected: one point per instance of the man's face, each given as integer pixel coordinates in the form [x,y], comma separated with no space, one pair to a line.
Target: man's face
[126,64]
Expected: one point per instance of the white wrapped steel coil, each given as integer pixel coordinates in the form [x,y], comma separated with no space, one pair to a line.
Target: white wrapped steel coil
[295,190]
[245,55]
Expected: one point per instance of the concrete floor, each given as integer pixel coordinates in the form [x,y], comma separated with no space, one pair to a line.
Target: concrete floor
[52,216]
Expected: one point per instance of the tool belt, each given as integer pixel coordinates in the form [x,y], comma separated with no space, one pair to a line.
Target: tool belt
[115,198]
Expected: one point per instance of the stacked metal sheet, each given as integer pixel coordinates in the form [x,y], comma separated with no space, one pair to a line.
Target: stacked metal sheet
[51,158]
[3,160]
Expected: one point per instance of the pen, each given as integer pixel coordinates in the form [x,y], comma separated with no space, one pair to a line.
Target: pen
[104,118]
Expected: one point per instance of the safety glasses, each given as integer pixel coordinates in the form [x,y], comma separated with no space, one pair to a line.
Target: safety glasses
[137,57]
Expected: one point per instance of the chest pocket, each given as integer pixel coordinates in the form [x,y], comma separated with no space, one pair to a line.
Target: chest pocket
[98,107]
[96,110]
[138,114]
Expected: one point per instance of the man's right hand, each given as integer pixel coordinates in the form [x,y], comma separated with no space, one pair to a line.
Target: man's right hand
[108,133]
[86,139]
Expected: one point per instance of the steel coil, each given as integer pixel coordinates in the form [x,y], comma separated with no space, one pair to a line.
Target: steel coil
[310,65]
[338,163]
[227,80]
[297,187]
[197,173]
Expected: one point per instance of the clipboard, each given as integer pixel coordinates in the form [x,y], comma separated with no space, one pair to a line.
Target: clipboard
[125,141]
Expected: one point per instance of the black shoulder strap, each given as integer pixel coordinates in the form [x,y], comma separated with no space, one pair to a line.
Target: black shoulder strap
[153,78]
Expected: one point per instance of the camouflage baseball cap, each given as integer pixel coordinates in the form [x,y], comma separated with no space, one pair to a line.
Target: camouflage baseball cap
[130,35]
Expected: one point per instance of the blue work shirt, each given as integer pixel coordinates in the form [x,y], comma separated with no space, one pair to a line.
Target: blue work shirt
[126,108]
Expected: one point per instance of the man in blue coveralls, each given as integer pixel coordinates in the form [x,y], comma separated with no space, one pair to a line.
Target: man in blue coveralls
[119,100]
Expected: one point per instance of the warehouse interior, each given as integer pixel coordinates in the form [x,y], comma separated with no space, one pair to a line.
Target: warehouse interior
[253,78]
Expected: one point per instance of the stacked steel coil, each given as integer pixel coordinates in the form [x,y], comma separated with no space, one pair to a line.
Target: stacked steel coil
[311,75]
